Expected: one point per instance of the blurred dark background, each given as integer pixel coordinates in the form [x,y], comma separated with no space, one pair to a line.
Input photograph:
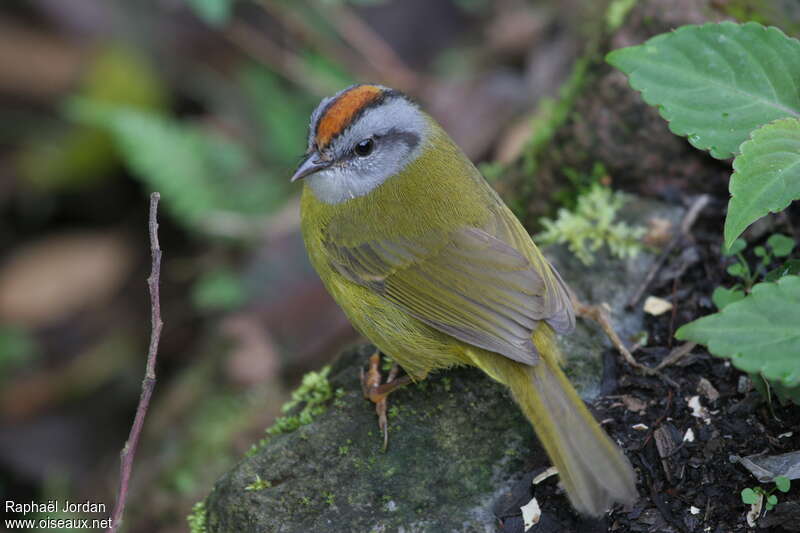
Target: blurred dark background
[206,101]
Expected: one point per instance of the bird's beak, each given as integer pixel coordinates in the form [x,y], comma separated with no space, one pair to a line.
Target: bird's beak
[310,164]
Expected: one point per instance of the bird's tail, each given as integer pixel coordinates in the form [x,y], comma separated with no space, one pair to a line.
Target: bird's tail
[593,470]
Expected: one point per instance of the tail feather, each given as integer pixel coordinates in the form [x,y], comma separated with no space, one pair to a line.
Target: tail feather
[593,470]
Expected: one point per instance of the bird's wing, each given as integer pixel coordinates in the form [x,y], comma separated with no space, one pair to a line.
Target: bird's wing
[474,284]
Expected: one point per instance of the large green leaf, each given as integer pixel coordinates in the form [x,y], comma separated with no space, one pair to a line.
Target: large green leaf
[208,181]
[760,334]
[717,82]
[766,175]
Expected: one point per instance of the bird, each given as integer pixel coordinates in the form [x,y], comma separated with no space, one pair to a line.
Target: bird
[427,262]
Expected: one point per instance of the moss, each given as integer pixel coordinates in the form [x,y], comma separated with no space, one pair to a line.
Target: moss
[197,518]
[258,484]
[592,225]
[308,402]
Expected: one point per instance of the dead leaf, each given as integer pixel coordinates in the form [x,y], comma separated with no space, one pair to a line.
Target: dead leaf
[552,471]
[634,404]
[698,411]
[60,275]
[766,468]
[655,306]
[253,358]
[705,388]
[531,513]
[659,232]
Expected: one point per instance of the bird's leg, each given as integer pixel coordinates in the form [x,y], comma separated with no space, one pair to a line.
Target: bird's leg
[377,393]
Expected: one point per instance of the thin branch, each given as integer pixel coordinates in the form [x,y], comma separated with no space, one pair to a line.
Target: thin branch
[676,355]
[599,314]
[282,60]
[149,381]
[381,57]
[686,225]
[303,28]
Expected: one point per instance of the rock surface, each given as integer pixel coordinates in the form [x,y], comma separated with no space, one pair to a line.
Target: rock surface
[460,452]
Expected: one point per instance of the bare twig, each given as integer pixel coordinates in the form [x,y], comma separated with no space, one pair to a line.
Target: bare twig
[149,381]
[280,59]
[599,314]
[304,29]
[381,57]
[686,225]
[676,355]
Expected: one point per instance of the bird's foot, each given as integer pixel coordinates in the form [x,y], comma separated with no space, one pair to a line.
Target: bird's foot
[378,393]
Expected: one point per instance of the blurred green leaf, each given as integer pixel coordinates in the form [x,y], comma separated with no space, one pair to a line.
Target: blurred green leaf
[213,12]
[783,483]
[282,114]
[219,290]
[790,267]
[17,346]
[330,72]
[722,296]
[78,155]
[737,270]
[782,245]
[737,246]
[206,179]
[749,496]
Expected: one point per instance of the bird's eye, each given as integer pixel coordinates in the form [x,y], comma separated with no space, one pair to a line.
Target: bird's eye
[364,148]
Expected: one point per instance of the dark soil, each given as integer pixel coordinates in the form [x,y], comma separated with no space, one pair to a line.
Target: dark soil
[685,485]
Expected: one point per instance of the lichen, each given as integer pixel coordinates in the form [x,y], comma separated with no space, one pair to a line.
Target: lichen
[197,518]
[592,225]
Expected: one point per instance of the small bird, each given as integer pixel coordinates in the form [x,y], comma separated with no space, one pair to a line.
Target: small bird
[427,262]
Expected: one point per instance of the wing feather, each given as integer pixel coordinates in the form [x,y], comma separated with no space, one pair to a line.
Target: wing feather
[488,287]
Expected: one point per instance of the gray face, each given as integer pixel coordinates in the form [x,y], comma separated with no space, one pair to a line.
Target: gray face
[378,145]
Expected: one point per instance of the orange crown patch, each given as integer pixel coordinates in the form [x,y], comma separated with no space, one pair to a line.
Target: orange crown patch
[343,110]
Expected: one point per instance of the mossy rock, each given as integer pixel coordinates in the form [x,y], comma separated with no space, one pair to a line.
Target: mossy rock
[333,471]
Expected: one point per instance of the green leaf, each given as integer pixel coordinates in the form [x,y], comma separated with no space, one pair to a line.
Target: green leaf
[17,347]
[788,268]
[760,251]
[772,500]
[717,82]
[737,270]
[213,12]
[722,297]
[749,496]
[783,483]
[760,333]
[766,175]
[283,127]
[736,246]
[782,245]
[218,290]
[207,180]
[785,394]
